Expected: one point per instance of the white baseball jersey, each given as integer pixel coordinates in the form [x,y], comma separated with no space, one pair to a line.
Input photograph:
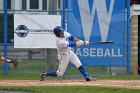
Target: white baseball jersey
[62,44]
[65,54]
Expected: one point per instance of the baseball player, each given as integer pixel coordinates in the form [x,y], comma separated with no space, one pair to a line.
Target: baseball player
[64,42]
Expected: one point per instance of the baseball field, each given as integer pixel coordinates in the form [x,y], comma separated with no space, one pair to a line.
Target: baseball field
[26,78]
[70,86]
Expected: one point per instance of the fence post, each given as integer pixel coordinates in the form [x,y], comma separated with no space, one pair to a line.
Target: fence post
[5,35]
[128,39]
[63,13]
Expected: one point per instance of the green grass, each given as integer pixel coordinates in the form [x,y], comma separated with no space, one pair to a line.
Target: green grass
[27,69]
[31,69]
[70,89]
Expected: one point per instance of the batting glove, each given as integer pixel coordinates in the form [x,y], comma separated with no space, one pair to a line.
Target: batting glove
[80,43]
[86,42]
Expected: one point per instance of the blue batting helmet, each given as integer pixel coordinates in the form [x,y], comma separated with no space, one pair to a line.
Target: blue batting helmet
[57,30]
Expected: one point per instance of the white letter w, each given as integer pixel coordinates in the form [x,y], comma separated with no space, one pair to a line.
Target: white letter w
[104,17]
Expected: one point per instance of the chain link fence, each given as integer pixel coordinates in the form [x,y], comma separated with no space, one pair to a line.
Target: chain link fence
[36,60]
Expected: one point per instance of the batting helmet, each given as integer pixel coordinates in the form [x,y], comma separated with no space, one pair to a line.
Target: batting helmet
[57,30]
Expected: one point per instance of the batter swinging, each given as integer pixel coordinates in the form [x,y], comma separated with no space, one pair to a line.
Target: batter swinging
[64,42]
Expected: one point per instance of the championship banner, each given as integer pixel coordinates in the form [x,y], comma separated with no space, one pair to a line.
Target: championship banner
[100,20]
[35,31]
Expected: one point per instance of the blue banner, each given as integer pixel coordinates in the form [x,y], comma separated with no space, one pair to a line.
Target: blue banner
[99,20]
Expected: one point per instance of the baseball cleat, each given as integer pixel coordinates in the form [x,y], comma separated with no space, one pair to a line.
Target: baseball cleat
[42,76]
[88,79]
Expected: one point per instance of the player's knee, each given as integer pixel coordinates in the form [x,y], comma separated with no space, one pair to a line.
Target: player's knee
[60,73]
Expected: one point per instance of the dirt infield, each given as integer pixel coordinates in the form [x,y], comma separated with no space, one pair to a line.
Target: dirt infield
[106,83]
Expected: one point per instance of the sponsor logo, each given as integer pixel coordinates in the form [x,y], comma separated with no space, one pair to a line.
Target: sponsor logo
[22,31]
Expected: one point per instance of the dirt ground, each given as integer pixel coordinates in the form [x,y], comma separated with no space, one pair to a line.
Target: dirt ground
[106,83]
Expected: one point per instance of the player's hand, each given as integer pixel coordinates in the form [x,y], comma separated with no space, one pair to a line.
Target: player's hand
[86,42]
[2,58]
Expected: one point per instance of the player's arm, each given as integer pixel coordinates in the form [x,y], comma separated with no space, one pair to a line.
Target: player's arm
[65,43]
[74,41]
[77,42]
[73,38]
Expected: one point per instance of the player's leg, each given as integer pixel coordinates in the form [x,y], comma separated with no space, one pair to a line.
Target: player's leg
[75,60]
[63,63]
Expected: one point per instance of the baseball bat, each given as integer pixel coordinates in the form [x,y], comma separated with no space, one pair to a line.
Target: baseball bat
[100,42]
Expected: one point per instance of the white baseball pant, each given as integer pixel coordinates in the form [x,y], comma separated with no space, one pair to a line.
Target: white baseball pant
[64,60]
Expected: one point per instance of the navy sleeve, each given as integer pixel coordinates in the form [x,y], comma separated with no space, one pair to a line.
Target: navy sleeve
[71,37]
[71,44]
